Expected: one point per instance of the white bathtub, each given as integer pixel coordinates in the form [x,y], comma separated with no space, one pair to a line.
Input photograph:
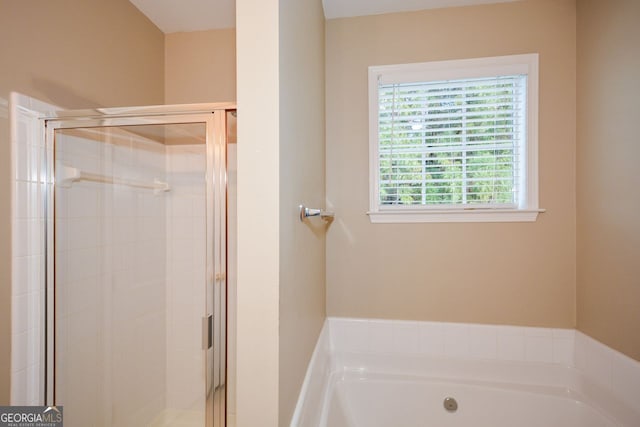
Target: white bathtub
[382,400]
[381,374]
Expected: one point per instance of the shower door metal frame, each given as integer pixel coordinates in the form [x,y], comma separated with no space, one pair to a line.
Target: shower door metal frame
[215,333]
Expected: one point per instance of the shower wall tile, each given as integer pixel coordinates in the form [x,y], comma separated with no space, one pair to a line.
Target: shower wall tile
[181,206]
[82,202]
[19,357]
[19,384]
[27,166]
[186,253]
[21,271]
[83,263]
[112,292]
[24,228]
[27,188]
[85,233]
[27,202]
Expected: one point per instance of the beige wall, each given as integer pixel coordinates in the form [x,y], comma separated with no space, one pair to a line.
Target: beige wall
[302,180]
[504,273]
[608,282]
[200,66]
[76,54]
[258,213]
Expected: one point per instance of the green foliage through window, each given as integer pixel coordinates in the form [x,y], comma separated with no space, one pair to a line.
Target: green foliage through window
[451,142]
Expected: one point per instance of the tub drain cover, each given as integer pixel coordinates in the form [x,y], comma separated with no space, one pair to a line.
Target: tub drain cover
[450,404]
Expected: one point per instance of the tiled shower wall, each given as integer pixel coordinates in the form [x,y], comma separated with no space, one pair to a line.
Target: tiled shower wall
[110,281]
[186,276]
[28,185]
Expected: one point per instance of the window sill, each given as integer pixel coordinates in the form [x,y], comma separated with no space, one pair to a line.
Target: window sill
[455,215]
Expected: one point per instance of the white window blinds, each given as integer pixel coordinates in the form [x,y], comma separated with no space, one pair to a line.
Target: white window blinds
[452,144]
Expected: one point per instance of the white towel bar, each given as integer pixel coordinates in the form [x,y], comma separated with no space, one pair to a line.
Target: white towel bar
[66,176]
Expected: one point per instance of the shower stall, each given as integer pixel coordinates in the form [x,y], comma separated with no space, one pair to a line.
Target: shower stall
[135,269]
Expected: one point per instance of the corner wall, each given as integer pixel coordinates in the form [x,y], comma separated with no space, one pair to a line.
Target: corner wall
[281,264]
[500,273]
[75,54]
[302,180]
[258,216]
[608,181]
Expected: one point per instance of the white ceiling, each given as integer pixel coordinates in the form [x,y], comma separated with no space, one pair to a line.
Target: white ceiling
[172,16]
[346,8]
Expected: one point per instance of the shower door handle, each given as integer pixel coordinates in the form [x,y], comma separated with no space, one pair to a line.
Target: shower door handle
[207,329]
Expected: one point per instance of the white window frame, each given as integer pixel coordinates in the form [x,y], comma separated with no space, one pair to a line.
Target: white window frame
[527,209]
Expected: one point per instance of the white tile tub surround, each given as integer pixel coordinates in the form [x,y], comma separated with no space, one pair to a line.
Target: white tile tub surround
[551,357]
[608,369]
[458,340]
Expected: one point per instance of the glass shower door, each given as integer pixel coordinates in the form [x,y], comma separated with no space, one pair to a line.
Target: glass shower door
[139,264]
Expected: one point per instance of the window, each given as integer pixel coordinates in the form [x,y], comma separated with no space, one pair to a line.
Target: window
[454,140]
